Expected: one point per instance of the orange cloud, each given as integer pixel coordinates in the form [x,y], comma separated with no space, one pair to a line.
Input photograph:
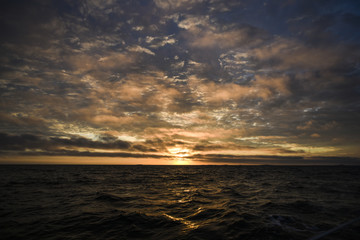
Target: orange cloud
[202,33]
[81,63]
[195,134]
[208,39]
[263,87]
[291,54]
[277,84]
[315,135]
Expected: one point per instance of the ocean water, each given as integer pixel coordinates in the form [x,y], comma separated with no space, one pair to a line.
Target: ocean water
[178,202]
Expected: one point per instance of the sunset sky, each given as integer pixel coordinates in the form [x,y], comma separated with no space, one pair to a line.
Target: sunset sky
[180,82]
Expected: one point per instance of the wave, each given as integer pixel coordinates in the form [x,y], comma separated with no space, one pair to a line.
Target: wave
[133,202]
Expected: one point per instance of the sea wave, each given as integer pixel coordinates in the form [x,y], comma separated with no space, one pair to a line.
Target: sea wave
[179,202]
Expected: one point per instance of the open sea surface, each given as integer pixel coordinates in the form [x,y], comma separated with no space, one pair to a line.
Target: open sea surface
[178,202]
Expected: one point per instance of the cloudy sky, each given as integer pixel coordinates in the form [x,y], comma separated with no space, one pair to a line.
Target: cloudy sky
[180,81]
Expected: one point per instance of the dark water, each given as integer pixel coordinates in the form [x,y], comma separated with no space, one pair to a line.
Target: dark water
[177,202]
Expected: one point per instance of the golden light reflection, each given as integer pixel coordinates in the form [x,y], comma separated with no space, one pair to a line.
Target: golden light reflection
[187,223]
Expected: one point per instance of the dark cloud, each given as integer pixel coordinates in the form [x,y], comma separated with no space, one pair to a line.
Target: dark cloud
[73,153]
[29,141]
[276,160]
[9,142]
[351,19]
[83,142]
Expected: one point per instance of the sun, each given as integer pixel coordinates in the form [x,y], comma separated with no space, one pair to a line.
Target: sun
[179,152]
[179,155]
[182,161]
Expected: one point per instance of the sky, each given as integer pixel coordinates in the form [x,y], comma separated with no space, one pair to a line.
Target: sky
[180,82]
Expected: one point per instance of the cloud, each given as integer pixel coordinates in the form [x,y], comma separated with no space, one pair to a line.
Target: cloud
[141,49]
[285,54]
[275,160]
[262,87]
[306,126]
[157,42]
[99,4]
[114,121]
[203,32]
[211,76]
[106,145]
[21,121]
[208,147]
[9,142]
[278,85]
[97,43]
[82,63]
[191,118]
[194,134]
[92,154]
[315,135]
[319,125]
[147,92]
[176,4]
[29,141]
[224,39]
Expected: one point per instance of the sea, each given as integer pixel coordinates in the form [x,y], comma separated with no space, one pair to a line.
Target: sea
[178,202]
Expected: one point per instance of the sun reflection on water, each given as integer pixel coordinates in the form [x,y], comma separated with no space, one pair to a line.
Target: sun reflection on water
[187,223]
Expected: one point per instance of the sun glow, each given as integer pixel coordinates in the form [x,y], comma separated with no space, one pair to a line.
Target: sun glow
[179,152]
[180,155]
[182,161]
